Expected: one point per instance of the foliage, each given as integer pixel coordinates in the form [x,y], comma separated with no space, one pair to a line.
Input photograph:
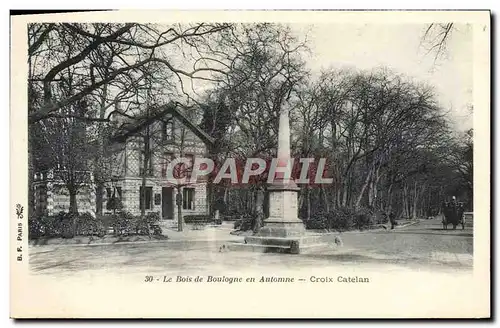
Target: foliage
[144,225]
[114,204]
[124,223]
[65,225]
[245,223]
[44,226]
[90,57]
[389,145]
[341,219]
[153,217]
[88,225]
[363,218]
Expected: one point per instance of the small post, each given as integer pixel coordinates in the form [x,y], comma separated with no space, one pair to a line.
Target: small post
[216,216]
[178,201]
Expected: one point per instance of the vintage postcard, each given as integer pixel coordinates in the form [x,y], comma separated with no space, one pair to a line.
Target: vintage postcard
[250,164]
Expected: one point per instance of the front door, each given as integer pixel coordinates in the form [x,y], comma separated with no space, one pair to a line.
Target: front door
[167,203]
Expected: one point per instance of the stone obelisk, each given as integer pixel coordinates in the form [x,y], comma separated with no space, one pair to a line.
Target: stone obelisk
[282,227]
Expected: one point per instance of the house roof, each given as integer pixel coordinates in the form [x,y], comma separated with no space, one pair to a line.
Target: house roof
[139,123]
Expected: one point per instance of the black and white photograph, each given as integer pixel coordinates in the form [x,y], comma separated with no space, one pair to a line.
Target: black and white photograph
[264,157]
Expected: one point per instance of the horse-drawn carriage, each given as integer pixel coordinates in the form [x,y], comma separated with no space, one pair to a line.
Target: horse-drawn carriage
[453,213]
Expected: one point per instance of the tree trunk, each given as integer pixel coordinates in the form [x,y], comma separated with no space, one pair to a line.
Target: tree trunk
[374,188]
[99,191]
[388,207]
[405,201]
[143,196]
[370,193]
[302,197]
[73,205]
[324,198]
[415,201]
[226,194]
[344,194]
[337,196]
[361,193]
[146,159]
[308,204]
[178,200]
[99,161]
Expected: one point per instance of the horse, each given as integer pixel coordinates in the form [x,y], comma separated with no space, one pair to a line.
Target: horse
[453,213]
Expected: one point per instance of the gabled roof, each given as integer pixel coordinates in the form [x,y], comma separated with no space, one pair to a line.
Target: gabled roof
[138,124]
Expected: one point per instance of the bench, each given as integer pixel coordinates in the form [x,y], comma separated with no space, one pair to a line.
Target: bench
[199,221]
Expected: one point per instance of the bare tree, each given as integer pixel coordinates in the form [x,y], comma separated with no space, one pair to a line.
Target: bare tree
[436,38]
[266,70]
[62,145]
[108,58]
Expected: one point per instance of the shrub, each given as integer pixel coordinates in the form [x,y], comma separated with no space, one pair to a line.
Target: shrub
[143,226]
[36,227]
[67,223]
[318,220]
[153,217]
[114,204]
[157,230]
[363,218]
[107,220]
[46,226]
[245,223]
[124,224]
[127,224]
[381,218]
[341,219]
[87,225]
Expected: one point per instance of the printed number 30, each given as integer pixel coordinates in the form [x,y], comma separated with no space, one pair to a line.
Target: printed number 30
[148,279]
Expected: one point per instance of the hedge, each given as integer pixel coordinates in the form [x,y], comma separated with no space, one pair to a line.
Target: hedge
[342,219]
[66,225]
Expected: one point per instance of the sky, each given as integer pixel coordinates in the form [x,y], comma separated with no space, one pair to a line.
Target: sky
[399,48]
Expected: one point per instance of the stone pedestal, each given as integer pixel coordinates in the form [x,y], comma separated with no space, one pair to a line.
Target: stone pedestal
[282,221]
[283,231]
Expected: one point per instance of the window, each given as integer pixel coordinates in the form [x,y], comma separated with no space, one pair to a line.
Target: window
[190,160]
[167,158]
[117,192]
[149,198]
[188,198]
[187,169]
[114,197]
[168,130]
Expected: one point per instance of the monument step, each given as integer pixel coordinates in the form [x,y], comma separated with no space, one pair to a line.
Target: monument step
[303,248]
[283,241]
[259,248]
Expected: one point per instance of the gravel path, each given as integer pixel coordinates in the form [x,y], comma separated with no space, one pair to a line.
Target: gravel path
[421,247]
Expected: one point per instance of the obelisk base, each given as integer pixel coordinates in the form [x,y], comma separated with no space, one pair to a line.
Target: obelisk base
[290,245]
[277,228]
[282,232]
